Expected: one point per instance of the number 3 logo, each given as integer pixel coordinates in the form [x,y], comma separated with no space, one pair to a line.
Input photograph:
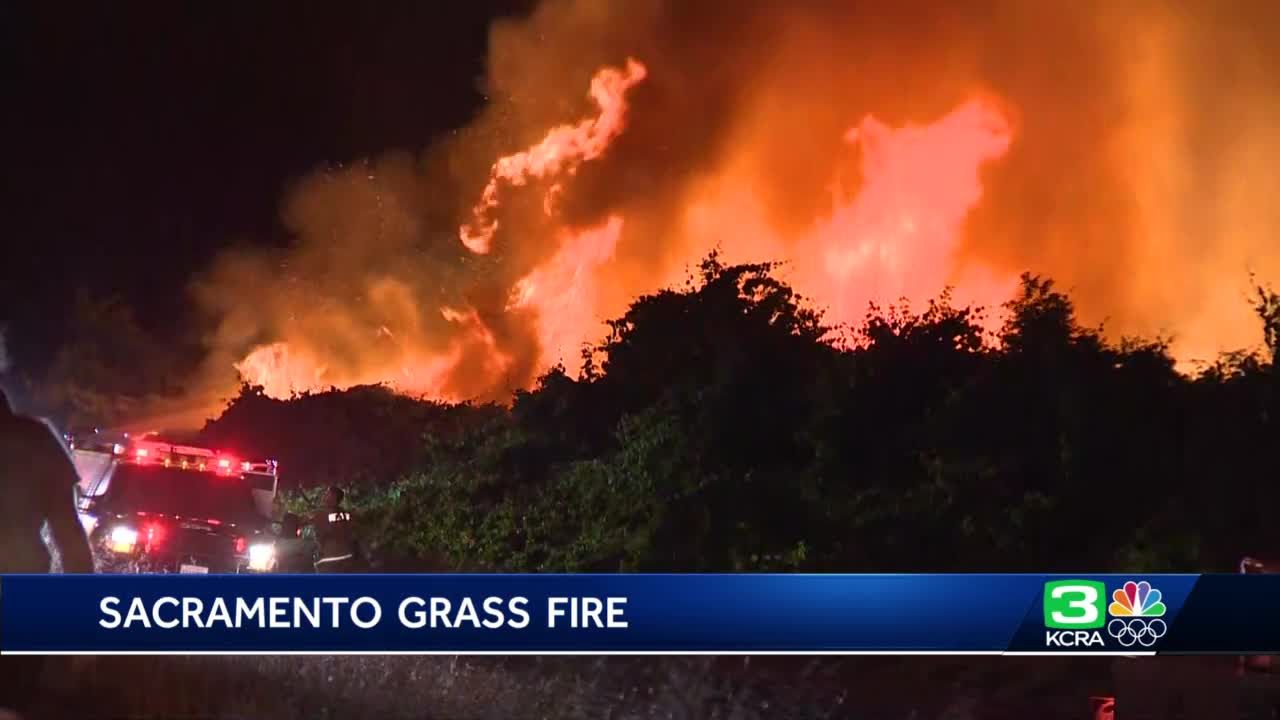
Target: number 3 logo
[1074,604]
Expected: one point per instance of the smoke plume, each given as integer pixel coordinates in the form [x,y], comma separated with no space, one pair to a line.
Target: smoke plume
[883,150]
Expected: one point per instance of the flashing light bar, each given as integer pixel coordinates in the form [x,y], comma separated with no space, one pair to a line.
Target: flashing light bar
[146,449]
[188,456]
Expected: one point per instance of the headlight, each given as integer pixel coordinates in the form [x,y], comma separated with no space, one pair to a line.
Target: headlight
[123,539]
[262,556]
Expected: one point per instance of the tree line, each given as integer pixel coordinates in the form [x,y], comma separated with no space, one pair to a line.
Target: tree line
[722,426]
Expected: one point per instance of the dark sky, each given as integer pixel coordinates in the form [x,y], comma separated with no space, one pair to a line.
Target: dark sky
[142,137]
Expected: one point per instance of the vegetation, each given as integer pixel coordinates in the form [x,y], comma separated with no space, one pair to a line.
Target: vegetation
[361,436]
[723,427]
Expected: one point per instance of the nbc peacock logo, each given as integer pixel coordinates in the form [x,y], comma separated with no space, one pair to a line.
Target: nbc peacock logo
[1136,611]
[1136,599]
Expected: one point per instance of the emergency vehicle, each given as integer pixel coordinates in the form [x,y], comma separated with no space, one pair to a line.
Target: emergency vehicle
[153,506]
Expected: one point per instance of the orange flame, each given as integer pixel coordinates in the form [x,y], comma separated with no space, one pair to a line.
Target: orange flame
[562,292]
[562,150]
[282,369]
[896,237]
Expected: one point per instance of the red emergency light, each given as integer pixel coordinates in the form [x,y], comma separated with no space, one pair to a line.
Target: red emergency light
[189,457]
[155,533]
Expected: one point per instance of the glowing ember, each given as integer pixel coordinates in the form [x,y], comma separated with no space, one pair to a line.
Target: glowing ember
[561,151]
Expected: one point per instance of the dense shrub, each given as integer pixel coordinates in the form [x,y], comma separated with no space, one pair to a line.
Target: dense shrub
[352,437]
[723,427]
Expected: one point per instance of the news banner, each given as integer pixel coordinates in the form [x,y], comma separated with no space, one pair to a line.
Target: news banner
[640,614]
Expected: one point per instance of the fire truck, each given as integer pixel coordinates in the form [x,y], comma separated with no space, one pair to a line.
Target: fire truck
[149,505]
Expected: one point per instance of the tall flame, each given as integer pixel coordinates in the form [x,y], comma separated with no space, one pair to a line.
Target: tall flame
[897,237]
[893,238]
[562,293]
[561,151]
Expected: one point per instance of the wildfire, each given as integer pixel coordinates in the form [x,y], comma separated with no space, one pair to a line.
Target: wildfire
[283,369]
[880,157]
[895,237]
[560,152]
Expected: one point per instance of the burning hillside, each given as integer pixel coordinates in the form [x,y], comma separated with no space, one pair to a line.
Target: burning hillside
[882,154]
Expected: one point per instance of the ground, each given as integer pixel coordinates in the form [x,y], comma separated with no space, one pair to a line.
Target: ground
[495,688]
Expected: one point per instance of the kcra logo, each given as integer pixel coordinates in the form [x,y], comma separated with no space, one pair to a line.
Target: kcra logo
[1075,614]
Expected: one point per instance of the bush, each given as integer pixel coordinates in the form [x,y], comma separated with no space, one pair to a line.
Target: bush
[725,429]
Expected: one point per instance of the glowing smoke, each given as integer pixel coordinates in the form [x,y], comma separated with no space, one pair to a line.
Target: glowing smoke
[883,151]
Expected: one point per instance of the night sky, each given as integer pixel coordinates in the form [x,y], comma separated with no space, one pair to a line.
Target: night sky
[140,138]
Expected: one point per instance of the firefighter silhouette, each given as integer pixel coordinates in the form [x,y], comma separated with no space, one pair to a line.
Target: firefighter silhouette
[333,528]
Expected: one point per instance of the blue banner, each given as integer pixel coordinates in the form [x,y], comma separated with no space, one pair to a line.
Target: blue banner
[729,614]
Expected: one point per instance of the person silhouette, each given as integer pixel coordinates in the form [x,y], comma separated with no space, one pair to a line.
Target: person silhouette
[332,525]
[37,488]
[293,553]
